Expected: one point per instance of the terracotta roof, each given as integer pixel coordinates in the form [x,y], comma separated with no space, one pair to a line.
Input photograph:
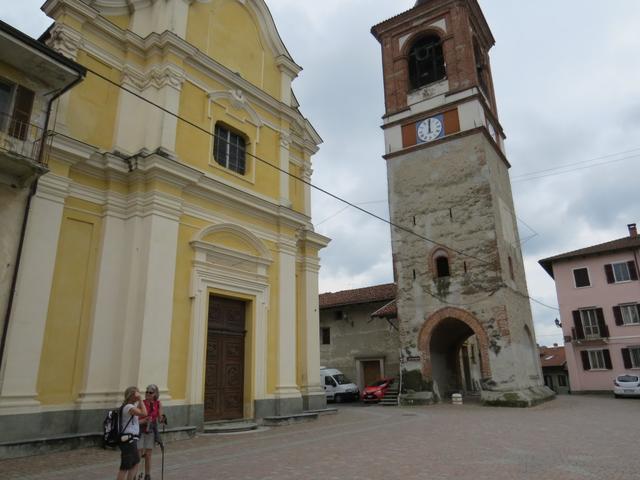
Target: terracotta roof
[390,310]
[552,357]
[376,293]
[625,243]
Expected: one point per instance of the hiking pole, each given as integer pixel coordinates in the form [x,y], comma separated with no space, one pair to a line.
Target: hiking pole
[161,443]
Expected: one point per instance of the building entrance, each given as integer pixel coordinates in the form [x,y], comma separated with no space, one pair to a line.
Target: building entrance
[224,375]
[451,360]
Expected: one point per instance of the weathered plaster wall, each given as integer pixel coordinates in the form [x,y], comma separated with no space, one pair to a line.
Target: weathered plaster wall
[359,337]
[458,193]
[13,203]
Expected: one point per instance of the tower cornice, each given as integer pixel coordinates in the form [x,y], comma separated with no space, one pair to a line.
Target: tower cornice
[427,9]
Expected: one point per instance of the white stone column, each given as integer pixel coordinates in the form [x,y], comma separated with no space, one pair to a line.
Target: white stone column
[33,290]
[105,351]
[310,334]
[285,198]
[287,352]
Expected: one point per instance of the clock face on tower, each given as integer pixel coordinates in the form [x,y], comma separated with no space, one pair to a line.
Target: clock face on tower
[430,129]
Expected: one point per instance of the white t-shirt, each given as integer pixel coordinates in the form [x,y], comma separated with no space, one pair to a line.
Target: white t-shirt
[134,425]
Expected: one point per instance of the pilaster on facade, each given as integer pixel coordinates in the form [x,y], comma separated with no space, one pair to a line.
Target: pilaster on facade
[287,383]
[28,318]
[285,142]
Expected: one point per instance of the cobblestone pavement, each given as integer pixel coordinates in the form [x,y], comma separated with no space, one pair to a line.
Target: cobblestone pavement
[571,438]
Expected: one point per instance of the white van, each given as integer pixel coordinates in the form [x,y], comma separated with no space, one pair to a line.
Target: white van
[337,387]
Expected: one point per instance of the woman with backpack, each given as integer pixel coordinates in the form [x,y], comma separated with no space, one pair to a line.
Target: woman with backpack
[132,408]
[149,426]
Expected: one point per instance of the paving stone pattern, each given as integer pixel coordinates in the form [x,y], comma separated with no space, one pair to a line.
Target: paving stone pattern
[571,438]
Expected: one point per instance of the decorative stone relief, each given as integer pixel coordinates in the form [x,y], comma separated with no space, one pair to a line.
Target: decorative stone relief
[65,41]
[285,140]
[157,77]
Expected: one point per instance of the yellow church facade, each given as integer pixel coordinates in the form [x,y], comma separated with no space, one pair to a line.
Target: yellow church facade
[171,242]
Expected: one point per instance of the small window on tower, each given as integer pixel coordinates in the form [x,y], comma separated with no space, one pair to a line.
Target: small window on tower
[442,266]
[511,271]
[426,62]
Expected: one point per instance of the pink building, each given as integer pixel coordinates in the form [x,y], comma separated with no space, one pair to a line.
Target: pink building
[599,296]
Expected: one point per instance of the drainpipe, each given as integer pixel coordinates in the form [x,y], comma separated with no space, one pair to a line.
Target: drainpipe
[32,192]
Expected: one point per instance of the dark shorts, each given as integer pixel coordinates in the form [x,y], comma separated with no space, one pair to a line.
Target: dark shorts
[129,455]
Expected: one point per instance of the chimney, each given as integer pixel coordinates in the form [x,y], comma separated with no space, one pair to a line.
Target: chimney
[633,230]
[555,345]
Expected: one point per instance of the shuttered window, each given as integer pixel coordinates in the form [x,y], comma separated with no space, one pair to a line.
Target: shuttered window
[229,149]
[581,277]
[16,104]
[590,323]
[596,359]
[630,314]
[22,112]
[631,357]
[621,272]
[6,97]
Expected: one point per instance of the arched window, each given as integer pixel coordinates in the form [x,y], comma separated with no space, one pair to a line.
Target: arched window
[481,66]
[426,62]
[442,267]
[229,149]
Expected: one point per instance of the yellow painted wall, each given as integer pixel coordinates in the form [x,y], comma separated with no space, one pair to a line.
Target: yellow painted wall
[229,33]
[66,331]
[93,105]
[180,328]
[121,21]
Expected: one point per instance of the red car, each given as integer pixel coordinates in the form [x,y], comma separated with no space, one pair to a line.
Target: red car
[375,392]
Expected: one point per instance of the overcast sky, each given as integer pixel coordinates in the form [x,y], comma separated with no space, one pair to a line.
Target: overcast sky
[567,79]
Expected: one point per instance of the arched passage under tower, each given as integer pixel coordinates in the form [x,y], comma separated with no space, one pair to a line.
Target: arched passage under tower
[454,347]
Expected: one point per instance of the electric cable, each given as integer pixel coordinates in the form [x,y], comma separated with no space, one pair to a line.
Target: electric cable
[300,179]
[566,165]
[524,179]
[320,189]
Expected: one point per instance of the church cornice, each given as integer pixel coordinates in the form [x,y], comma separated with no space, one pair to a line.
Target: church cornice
[169,170]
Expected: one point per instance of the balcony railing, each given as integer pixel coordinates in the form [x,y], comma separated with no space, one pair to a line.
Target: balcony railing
[20,138]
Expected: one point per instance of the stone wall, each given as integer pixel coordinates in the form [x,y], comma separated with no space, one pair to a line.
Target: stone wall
[458,194]
[355,336]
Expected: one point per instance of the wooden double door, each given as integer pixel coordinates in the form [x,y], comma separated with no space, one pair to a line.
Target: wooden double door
[224,375]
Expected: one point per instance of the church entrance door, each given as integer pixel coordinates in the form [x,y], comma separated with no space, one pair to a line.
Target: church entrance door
[224,375]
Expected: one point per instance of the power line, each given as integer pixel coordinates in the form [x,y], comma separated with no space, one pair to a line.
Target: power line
[300,179]
[322,190]
[533,177]
[566,165]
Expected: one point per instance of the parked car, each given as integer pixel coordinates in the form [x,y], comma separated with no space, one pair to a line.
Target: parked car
[626,385]
[337,386]
[375,391]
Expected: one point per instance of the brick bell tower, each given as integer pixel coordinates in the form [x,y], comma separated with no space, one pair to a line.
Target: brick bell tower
[465,319]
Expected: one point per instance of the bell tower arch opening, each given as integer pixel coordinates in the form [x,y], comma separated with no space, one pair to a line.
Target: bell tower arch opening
[426,61]
[454,347]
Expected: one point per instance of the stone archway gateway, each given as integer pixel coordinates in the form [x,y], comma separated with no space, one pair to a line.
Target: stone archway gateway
[440,341]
